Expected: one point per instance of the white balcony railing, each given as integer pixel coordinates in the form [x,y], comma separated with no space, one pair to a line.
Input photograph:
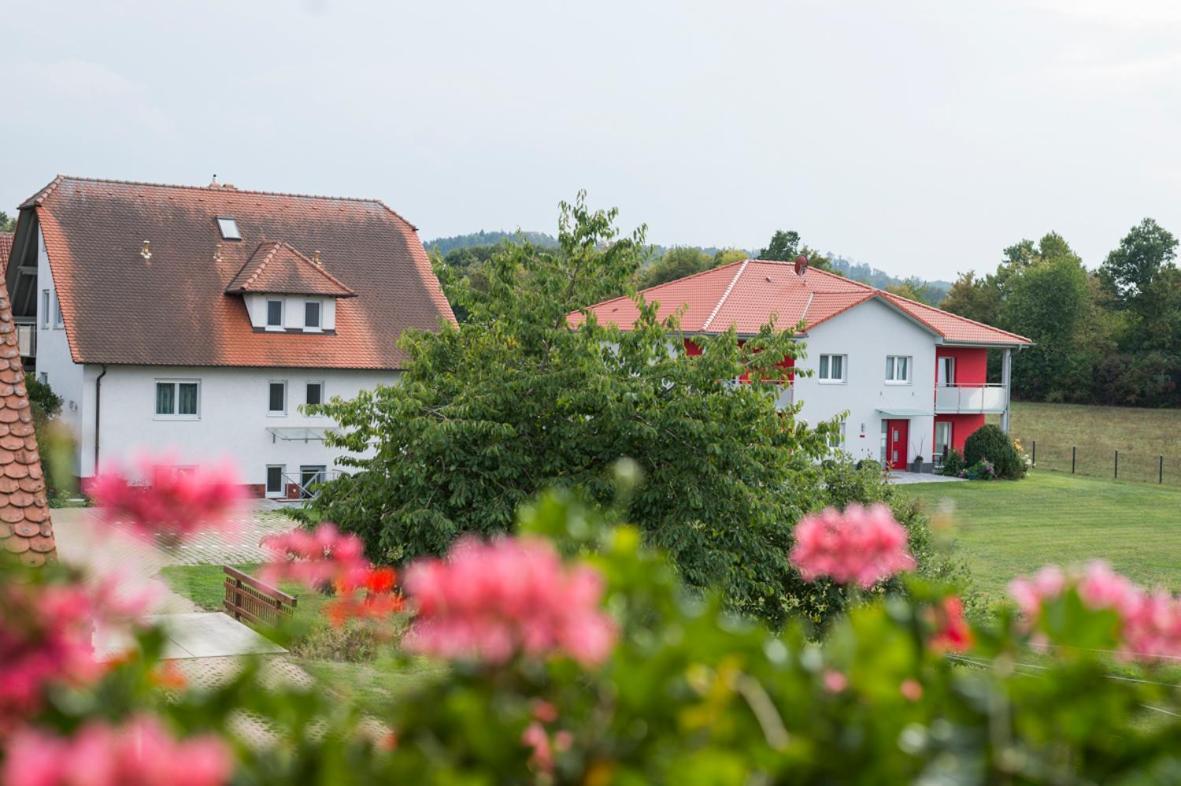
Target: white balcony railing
[970,399]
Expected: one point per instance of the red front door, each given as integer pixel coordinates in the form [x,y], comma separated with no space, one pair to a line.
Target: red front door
[897,433]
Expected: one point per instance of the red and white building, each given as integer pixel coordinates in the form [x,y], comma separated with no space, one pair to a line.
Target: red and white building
[906,381]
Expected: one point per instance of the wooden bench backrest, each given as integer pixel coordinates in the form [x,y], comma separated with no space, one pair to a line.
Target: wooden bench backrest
[251,600]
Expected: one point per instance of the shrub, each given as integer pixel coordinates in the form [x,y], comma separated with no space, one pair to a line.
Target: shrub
[981,470]
[954,464]
[989,442]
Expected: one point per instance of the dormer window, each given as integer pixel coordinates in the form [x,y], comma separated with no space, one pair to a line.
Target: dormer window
[228,228]
[311,314]
[274,313]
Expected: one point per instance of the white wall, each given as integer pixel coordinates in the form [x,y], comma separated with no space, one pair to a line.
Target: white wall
[867,334]
[232,420]
[53,350]
[293,311]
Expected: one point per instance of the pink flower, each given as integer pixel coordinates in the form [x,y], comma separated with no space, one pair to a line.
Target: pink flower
[169,502]
[952,632]
[834,681]
[911,690]
[140,753]
[860,545]
[535,737]
[493,600]
[321,558]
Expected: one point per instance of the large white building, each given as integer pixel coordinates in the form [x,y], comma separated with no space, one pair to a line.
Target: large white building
[906,381]
[201,320]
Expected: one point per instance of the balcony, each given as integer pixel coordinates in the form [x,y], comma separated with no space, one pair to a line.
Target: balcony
[970,399]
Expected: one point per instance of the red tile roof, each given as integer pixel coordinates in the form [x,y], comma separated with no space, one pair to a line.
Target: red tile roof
[5,250]
[25,526]
[171,308]
[746,295]
[279,269]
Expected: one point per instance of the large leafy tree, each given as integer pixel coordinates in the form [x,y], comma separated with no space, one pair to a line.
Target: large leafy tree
[513,400]
[677,262]
[785,245]
[7,224]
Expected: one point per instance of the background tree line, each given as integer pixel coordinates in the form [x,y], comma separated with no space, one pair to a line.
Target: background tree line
[1108,336]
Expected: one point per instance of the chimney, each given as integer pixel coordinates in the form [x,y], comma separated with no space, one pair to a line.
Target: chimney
[213,183]
[801,265]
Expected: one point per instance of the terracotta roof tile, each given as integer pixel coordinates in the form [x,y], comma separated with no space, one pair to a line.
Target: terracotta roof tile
[176,300]
[278,268]
[746,295]
[5,250]
[25,525]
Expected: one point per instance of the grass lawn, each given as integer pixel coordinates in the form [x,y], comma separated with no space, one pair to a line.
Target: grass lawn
[315,644]
[1006,528]
[1140,435]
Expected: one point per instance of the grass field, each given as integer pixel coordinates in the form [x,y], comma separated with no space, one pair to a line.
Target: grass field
[1007,528]
[1140,435]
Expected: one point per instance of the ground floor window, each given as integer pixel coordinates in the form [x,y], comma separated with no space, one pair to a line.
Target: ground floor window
[309,477]
[883,455]
[275,480]
[942,441]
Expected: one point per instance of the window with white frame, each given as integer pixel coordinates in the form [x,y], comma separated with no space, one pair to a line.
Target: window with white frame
[275,474]
[315,393]
[274,313]
[898,369]
[942,441]
[946,372]
[311,314]
[45,303]
[59,321]
[836,439]
[178,398]
[277,397]
[833,368]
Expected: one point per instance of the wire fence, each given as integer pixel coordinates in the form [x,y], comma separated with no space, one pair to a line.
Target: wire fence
[1139,467]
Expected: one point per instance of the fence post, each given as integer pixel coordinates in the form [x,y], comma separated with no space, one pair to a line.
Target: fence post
[1117,465]
[1160,469]
[1073,456]
[1033,458]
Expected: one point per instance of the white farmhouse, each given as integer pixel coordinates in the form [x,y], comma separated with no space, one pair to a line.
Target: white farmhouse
[201,320]
[907,381]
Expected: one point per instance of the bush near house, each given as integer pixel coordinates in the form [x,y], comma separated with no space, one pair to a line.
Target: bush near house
[989,443]
[954,464]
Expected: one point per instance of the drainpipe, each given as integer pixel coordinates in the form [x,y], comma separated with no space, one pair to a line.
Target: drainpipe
[98,399]
[1006,381]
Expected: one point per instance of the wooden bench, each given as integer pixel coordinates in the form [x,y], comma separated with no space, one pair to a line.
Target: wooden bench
[249,599]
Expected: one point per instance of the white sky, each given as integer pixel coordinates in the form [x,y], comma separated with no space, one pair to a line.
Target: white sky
[921,137]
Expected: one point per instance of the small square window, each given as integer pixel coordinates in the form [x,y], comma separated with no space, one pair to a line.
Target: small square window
[315,393]
[228,228]
[274,313]
[277,398]
[311,314]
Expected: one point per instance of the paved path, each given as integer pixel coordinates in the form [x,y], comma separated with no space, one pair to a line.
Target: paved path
[900,478]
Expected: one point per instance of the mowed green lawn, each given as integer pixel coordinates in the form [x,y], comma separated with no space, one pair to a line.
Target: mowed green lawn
[1006,528]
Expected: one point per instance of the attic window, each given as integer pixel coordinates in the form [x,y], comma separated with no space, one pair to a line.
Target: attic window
[228,228]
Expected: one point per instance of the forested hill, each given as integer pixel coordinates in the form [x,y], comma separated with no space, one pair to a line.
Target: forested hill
[933,291]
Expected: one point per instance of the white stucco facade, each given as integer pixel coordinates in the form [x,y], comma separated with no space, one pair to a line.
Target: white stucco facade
[864,337]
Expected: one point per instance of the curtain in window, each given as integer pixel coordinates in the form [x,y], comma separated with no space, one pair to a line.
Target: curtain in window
[165,398]
[188,399]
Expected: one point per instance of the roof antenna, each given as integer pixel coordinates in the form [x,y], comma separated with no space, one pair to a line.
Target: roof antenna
[214,183]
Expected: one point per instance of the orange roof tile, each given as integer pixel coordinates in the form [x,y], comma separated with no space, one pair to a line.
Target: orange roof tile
[5,250]
[176,299]
[278,268]
[25,526]
[746,295]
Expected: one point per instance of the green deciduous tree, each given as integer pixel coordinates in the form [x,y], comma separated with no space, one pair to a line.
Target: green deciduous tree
[514,401]
[677,262]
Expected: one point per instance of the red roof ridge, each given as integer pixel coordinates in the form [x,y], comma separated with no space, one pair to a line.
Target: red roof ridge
[45,192]
[722,300]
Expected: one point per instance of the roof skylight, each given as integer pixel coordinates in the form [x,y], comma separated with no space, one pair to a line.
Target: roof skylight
[228,228]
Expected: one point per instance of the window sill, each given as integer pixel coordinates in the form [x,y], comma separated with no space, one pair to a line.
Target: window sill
[896,383]
[830,381]
[176,417]
[276,414]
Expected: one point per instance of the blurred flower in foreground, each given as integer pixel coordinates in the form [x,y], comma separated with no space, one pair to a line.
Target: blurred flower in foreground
[140,753]
[952,633]
[171,503]
[492,600]
[860,545]
[1150,622]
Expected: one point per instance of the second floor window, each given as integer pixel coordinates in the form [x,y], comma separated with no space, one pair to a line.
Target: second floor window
[45,301]
[832,368]
[315,391]
[274,313]
[897,369]
[311,314]
[177,398]
[277,399]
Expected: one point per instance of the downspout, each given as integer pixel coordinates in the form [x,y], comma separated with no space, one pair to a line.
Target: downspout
[98,399]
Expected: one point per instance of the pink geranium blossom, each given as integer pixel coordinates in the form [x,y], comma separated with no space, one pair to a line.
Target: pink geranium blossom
[140,753]
[858,546]
[168,502]
[1149,622]
[492,600]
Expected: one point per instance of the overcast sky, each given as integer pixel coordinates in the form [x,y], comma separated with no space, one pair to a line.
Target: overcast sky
[921,137]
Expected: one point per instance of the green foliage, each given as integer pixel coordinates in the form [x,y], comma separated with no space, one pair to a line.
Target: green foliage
[676,263]
[785,246]
[989,443]
[514,401]
[7,223]
[953,464]
[44,402]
